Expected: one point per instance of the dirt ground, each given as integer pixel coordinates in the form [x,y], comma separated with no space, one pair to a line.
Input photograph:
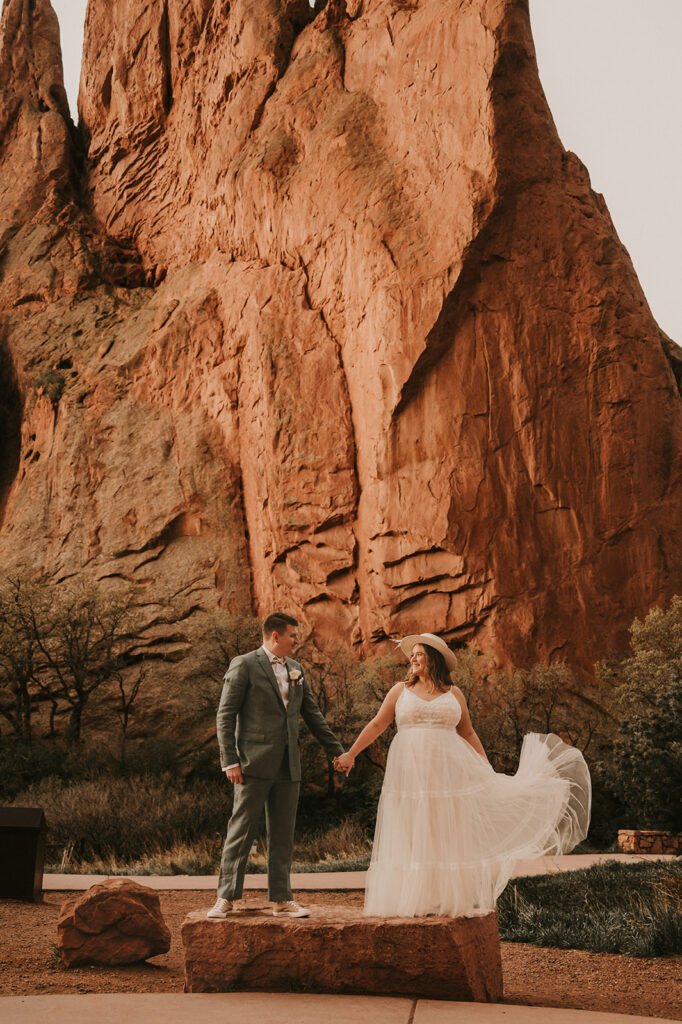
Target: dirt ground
[532,976]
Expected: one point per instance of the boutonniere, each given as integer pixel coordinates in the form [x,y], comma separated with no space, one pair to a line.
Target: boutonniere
[295,676]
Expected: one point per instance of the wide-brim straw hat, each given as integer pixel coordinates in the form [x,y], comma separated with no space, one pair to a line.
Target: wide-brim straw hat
[408,642]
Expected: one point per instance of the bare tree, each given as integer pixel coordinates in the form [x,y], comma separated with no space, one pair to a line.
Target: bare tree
[218,639]
[84,639]
[20,654]
[348,692]
[129,682]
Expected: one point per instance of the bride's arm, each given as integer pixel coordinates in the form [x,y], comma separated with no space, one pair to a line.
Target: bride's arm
[379,724]
[465,728]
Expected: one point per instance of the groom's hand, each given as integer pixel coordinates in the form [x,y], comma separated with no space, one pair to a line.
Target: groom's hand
[344,763]
[234,774]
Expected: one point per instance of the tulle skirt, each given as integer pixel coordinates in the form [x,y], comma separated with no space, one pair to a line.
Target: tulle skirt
[450,829]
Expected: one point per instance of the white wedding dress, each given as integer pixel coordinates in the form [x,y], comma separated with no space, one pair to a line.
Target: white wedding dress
[450,829]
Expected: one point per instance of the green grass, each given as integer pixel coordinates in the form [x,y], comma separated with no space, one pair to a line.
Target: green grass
[608,908]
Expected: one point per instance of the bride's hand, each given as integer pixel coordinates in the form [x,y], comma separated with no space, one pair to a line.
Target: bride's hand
[344,763]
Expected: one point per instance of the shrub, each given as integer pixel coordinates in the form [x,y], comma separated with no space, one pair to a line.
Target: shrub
[645,761]
[505,706]
[153,824]
[349,693]
[52,382]
[126,819]
[59,761]
[648,763]
[655,664]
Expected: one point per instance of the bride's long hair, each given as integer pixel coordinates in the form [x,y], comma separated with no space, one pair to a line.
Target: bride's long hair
[437,668]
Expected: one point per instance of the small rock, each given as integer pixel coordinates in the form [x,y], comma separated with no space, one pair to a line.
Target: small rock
[114,922]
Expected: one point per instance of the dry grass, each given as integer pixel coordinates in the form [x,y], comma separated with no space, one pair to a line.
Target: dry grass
[342,847]
[152,825]
[129,821]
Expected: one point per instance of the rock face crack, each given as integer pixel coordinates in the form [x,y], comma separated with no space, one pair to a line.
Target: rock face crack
[165,49]
[10,425]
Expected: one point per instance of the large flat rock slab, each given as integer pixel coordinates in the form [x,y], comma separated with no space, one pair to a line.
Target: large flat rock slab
[339,950]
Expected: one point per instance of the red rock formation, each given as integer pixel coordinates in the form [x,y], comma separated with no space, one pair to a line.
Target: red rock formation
[340,326]
[114,922]
[34,113]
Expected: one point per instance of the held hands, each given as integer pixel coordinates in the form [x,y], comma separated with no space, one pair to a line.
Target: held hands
[234,775]
[344,763]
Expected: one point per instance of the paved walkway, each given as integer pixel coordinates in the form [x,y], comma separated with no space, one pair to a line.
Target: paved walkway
[336,879]
[285,1008]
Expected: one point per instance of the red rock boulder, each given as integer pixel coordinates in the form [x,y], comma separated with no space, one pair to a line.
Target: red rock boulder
[114,922]
[339,950]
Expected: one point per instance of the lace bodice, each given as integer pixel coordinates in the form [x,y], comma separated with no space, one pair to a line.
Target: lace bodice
[443,712]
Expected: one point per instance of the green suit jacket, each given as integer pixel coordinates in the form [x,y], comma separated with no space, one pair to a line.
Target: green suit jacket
[254,728]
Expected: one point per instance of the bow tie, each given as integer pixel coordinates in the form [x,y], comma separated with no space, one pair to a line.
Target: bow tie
[279,661]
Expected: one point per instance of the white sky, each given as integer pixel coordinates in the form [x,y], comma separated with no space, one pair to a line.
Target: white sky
[613,77]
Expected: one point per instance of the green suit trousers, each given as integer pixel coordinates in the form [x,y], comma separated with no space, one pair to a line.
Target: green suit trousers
[279,797]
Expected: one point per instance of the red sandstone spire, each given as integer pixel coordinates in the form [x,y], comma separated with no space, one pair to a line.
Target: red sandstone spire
[400,374]
[35,144]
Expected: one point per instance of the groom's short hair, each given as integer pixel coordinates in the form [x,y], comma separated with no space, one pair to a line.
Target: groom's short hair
[277,622]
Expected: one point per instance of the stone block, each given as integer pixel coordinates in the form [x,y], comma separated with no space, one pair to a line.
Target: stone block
[339,950]
[639,840]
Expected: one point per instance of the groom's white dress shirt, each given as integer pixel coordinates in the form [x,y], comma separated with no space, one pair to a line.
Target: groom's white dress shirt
[279,667]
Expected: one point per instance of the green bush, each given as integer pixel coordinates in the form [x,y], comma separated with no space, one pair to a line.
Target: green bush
[22,765]
[216,639]
[645,760]
[608,908]
[505,706]
[655,663]
[349,693]
[648,763]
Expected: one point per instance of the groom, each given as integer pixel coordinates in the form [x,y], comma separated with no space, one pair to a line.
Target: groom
[265,691]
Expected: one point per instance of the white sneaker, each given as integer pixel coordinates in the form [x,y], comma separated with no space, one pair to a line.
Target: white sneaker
[289,909]
[220,910]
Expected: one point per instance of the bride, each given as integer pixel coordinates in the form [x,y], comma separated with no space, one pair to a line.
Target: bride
[449,828]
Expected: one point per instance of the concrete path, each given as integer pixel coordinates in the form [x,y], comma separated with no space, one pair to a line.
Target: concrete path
[336,879]
[285,1008]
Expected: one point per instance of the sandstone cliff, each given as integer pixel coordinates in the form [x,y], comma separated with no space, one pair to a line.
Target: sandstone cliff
[313,310]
